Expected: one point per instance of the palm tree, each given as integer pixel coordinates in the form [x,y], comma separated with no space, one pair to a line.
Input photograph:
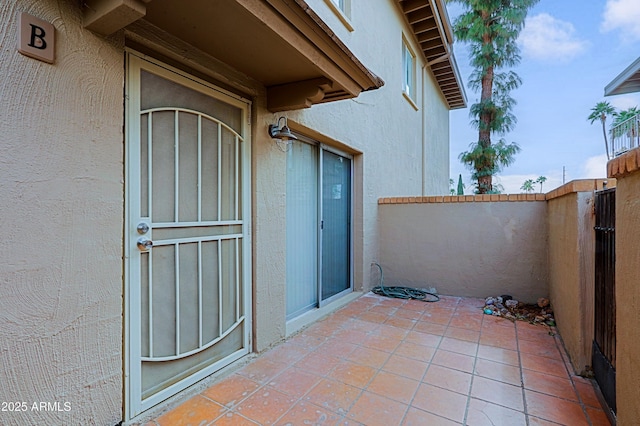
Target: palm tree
[541,180]
[600,112]
[527,186]
[487,161]
[630,129]
[491,28]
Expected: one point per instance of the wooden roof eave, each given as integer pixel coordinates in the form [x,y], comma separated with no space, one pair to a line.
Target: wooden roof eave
[429,22]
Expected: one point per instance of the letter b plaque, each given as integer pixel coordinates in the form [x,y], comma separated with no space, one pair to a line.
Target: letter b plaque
[36,38]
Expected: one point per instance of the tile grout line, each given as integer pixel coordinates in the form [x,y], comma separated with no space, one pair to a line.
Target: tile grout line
[514,323]
[570,376]
[379,369]
[406,412]
[458,309]
[567,362]
[263,385]
[430,363]
[343,416]
[562,352]
[473,374]
[524,394]
[346,413]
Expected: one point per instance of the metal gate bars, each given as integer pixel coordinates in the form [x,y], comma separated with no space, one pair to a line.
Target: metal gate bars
[604,342]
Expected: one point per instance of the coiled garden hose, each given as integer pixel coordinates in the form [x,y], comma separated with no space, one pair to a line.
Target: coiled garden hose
[403,292]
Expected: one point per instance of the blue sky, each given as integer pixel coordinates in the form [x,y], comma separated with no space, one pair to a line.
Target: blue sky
[571,49]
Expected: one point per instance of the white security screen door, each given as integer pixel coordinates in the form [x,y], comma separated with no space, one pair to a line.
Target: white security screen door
[187,241]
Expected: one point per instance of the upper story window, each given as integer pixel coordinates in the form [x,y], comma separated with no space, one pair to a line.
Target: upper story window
[342,9]
[408,71]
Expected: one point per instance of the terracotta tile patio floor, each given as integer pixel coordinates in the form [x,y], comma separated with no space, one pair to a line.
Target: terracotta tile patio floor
[381,361]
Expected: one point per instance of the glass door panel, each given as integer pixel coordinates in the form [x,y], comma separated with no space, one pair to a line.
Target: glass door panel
[318,226]
[336,224]
[302,228]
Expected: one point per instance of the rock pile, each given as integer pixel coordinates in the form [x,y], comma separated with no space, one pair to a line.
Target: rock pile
[507,307]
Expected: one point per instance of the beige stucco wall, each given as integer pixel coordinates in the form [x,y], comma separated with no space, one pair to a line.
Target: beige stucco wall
[436,140]
[627,289]
[269,236]
[389,138]
[61,186]
[475,249]
[405,151]
[571,272]
[61,182]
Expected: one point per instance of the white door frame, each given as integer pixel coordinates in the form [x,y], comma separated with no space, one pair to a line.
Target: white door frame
[322,148]
[135,62]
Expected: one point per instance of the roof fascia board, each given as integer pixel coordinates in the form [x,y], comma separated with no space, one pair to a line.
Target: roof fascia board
[456,73]
[444,27]
[615,87]
[306,20]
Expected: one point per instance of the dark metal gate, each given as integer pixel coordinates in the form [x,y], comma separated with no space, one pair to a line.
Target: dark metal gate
[604,342]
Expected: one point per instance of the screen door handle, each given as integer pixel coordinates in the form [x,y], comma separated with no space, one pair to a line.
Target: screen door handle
[144,244]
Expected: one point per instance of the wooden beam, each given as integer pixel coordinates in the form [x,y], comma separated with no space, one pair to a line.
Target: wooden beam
[447,79]
[423,26]
[434,44]
[441,65]
[431,34]
[105,17]
[409,6]
[419,15]
[298,95]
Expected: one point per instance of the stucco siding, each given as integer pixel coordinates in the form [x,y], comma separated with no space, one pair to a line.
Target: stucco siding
[627,298]
[405,151]
[269,238]
[467,249]
[61,186]
[571,273]
[436,140]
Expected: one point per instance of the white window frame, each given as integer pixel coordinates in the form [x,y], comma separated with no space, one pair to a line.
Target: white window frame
[342,9]
[408,72]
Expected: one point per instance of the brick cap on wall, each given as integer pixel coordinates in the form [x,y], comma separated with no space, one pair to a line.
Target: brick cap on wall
[580,185]
[625,164]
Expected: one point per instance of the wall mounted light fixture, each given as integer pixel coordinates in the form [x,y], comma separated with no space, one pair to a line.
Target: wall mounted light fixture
[281,134]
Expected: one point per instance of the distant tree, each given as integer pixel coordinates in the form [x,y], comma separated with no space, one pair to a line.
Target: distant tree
[452,190]
[491,27]
[601,111]
[630,130]
[541,180]
[487,161]
[460,185]
[527,186]
[624,115]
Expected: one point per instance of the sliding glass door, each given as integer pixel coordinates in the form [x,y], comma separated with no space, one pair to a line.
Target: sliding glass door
[302,228]
[318,226]
[336,224]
